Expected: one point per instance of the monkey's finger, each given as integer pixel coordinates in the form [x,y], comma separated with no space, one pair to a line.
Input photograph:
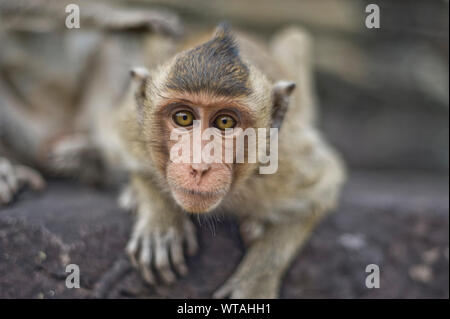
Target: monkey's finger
[132,248]
[5,166]
[162,259]
[29,176]
[12,182]
[5,192]
[8,175]
[239,294]
[176,253]
[224,291]
[247,289]
[191,238]
[148,275]
[145,260]
[8,178]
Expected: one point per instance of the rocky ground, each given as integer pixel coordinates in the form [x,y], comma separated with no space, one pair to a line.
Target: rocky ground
[399,221]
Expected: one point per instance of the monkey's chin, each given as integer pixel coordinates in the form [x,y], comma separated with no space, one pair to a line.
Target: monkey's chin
[197,202]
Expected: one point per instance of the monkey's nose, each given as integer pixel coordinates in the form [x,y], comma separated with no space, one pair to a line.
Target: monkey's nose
[198,170]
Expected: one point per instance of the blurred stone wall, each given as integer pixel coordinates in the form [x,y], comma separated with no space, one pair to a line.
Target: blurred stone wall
[383,93]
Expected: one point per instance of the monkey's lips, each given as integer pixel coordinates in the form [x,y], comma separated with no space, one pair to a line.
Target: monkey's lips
[195,201]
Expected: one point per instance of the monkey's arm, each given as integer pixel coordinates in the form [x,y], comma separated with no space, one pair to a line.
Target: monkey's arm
[260,272]
[160,231]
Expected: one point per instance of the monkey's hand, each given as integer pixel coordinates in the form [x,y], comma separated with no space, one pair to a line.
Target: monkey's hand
[157,238]
[269,254]
[250,281]
[15,177]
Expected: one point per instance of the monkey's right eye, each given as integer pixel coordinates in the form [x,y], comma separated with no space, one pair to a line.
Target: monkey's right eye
[183,118]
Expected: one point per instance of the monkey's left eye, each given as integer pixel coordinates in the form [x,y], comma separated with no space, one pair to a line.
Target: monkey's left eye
[184,118]
[223,122]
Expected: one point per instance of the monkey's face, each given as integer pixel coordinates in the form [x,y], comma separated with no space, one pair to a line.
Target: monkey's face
[201,169]
[207,89]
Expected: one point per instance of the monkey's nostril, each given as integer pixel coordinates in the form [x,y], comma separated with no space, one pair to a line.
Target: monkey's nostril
[200,167]
[199,170]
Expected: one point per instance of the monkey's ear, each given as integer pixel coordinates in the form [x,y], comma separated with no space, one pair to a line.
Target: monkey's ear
[140,75]
[282,91]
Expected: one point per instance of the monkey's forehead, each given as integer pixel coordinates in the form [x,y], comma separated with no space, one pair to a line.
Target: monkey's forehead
[215,67]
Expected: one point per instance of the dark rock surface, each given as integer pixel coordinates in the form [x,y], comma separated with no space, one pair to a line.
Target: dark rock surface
[398,221]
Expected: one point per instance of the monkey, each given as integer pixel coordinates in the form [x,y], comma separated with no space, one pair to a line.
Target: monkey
[229,78]
[228,81]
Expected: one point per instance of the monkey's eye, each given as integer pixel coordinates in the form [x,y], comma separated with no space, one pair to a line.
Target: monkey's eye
[223,122]
[183,118]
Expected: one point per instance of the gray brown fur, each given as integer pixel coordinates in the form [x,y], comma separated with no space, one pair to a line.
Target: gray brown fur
[214,67]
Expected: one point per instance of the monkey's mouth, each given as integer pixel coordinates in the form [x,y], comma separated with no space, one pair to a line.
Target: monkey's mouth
[195,201]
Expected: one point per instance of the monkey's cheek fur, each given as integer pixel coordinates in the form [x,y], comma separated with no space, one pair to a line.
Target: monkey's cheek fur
[197,203]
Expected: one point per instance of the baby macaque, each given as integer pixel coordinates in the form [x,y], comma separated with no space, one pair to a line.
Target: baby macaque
[224,88]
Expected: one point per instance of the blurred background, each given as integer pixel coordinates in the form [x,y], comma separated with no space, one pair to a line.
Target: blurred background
[383,103]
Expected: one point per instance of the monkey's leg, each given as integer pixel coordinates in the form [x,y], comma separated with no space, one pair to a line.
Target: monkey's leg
[76,155]
[159,234]
[260,272]
[17,144]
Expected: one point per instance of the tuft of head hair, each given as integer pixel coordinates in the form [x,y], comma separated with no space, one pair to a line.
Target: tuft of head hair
[214,67]
[222,31]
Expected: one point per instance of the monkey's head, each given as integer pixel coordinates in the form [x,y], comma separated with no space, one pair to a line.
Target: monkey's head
[208,88]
